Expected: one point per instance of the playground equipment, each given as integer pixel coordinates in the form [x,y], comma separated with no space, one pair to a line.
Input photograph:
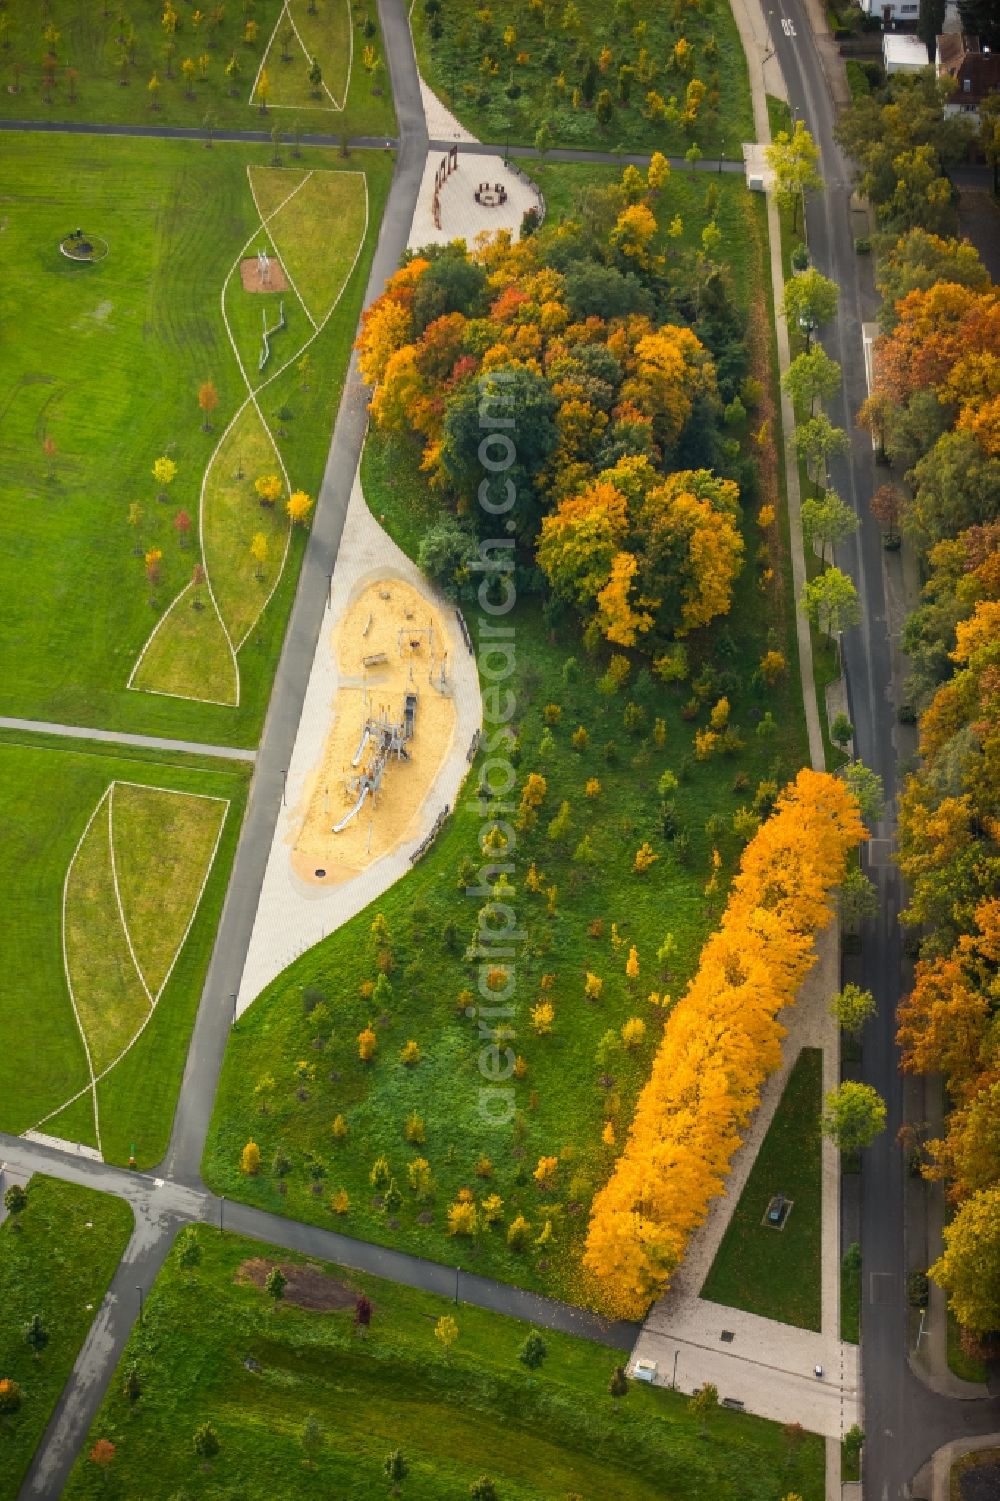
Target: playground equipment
[382,739]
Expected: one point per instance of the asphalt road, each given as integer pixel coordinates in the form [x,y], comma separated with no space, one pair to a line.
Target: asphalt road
[904,1421]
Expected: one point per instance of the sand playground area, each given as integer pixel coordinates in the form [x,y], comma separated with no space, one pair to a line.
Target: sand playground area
[393,724]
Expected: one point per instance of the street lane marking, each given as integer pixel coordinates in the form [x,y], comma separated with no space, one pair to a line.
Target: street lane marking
[787,26]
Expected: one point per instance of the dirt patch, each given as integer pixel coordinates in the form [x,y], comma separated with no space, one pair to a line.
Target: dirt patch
[250,276]
[308,1286]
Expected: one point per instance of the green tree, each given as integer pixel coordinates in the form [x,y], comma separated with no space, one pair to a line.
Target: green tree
[316,79]
[810,301]
[852,1009]
[206,1441]
[311,1439]
[817,441]
[36,1336]
[483,1489]
[857,899]
[618,1385]
[853,1115]
[841,731]
[868,789]
[15,1202]
[189,1252]
[969,1270]
[533,1351]
[444,553]
[132,1383]
[274,1284]
[605,109]
[703,1405]
[827,521]
[930,24]
[396,1467]
[543,138]
[810,378]
[794,160]
[830,602]
[955,486]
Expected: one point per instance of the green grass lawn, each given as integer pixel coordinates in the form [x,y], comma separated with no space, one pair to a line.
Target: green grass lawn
[103,65]
[532,75]
[776,1273]
[58,1265]
[552,1433]
[49,795]
[850,1299]
[106,371]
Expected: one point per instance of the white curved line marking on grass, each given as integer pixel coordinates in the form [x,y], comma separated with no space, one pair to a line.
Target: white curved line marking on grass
[117,895]
[253,393]
[204,797]
[92,1086]
[96,1078]
[163,692]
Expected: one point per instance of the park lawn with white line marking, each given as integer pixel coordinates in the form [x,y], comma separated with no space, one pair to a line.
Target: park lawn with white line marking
[189,655]
[107,366]
[48,796]
[324,35]
[163,844]
[106,986]
[317,234]
[54,1265]
[106,90]
[549,1433]
[233,515]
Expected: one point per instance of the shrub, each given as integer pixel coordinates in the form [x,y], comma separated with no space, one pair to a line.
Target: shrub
[414,1130]
[645,857]
[250,1159]
[463,1218]
[518,1232]
[918,1289]
[552,713]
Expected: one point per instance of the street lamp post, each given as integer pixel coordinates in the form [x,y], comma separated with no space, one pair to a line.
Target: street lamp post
[673,1381]
[458,1273]
[222,1210]
[233,999]
[284,785]
[139,1291]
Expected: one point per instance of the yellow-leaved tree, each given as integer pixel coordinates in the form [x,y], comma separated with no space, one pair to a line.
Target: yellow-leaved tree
[720,1043]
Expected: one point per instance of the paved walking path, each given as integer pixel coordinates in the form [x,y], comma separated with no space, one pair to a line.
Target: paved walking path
[119,737]
[294,914]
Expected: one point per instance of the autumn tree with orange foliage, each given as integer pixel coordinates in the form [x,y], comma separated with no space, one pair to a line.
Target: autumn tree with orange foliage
[608,386]
[720,1043]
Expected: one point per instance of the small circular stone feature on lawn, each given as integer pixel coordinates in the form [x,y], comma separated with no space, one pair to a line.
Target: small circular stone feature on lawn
[87,249]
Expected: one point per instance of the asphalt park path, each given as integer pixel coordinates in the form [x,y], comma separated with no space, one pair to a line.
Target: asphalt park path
[364,143]
[903,1420]
[119,737]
